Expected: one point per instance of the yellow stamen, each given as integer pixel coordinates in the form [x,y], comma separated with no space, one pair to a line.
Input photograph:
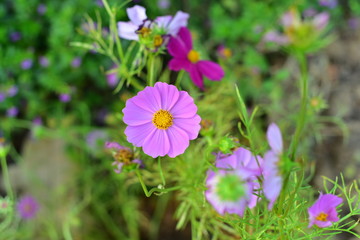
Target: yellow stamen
[123,155]
[322,217]
[227,52]
[144,31]
[193,56]
[162,119]
[158,41]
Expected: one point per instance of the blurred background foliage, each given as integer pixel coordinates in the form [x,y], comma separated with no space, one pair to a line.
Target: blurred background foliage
[90,200]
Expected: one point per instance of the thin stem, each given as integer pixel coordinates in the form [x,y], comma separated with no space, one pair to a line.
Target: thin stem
[161,172]
[155,189]
[179,78]
[303,110]
[151,70]
[6,177]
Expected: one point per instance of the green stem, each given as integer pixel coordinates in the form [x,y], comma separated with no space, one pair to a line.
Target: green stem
[303,110]
[6,177]
[179,78]
[151,70]
[161,172]
[155,189]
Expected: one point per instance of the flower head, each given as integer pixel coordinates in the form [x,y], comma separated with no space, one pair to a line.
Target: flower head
[140,27]
[272,180]
[123,157]
[27,207]
[41,9]
[12,112]
[12,91]
[26,64]
[64,97]
[76,62]
[328,3]
[5,205]
[161,120]
[15,36]
[228,191]
[224,52]
[323,212]
[112,76]
[185,57]
[44,61]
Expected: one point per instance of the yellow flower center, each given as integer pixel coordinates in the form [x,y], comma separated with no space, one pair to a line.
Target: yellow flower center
[158,41]
[144,31]
[162,119]
[124,155]
[193,56]
[227,52]
[322,217]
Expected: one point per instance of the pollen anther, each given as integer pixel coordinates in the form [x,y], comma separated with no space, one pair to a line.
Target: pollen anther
[162,119]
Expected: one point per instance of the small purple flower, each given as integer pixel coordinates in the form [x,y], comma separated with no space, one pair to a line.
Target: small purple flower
[2,96]
[64,97]
[12,91]
[44,61]
[310,12]
[272,180]
[163,4]
[228,191]
[162,120]
[15,36]
[37,121]
[94,137]
[12,112]
[224,52]
[99,3]
[123,156]
[185,57]
[26,64]
[27,207]
[354,23]
[112,77]
[41,9]
[328,3]
[323,212]
[76,62]
[276,37]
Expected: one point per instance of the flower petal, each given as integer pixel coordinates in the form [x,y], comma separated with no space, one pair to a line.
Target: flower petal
[180,20]
[127,30]
[196,77]
[137,134]
[163,21]
[185,36]
[211,70]
[190,125]
[185,107]
[137,14]
[179,141]
[135,115]
[177,48]
[157,144]
[176,64]
[148,99]
[272,187]
[169,95]
[274,138]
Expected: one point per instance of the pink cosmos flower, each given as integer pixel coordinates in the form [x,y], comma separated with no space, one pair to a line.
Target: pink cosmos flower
[185,57]
[323,212]
[27,207]
[228,191]
[272,180]
[137,15]
[161,120]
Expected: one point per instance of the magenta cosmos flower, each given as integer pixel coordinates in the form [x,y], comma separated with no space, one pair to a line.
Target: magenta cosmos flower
[323,212]
[272,180]
[27,207]
[186,58]
[161,120]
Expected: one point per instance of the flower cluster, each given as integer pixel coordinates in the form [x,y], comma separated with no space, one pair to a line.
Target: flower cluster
[245,170]
[27,207]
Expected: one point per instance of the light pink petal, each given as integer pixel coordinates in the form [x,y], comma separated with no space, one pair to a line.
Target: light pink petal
[127,30]
[157,144]
[137,14]
[274,138]
[270,166]
[148,99]
[169,95]
[196,77]
[180,20]
[113,145]
[177,48]
[179,141]
[135,115]
[185,107]
[137,134]
[272,187]
[322,224]
[190,125]
[321,20]
[163,21]
[211,70]
[185,36]
[176,64]
[229,162]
